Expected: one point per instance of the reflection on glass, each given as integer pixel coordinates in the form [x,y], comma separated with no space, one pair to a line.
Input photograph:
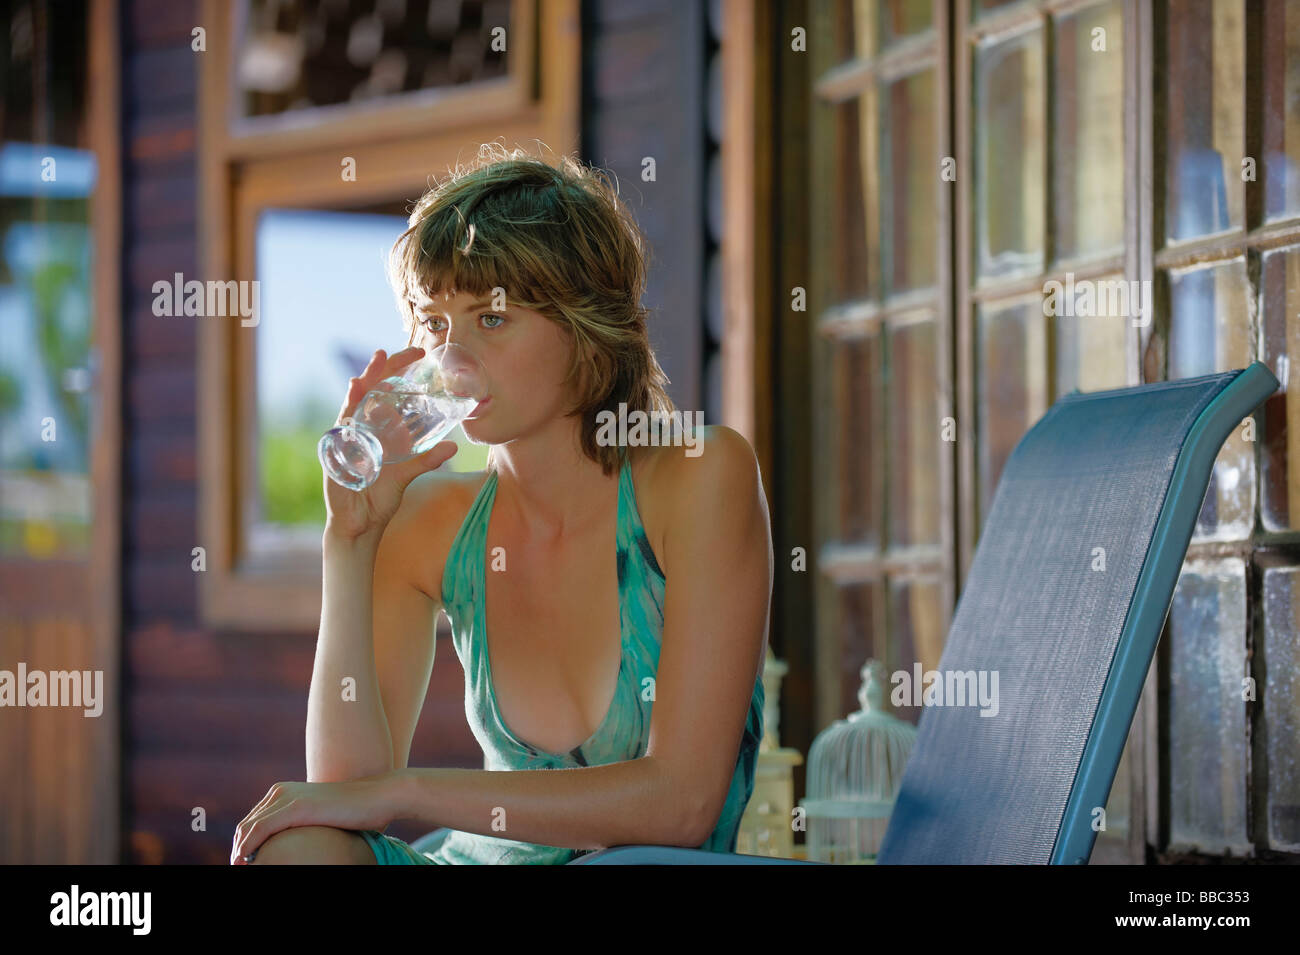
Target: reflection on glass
[1117,803]
[46,418]
[851,29]
[862,637]
[1092,350]
[917,625]
[979,8]
[1088,193]
[903,18]
[857,377]
[1011,365]
[1204,118]
[1210,332]
[1279,444]
[910,172]
[1280,76]
[854,255]
[1009,133]
[326,307]
[1208,759]
[914,437]
[1281,690]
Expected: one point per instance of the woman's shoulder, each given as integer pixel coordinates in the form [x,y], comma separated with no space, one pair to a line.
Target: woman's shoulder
[716,453]
[436,493]
[664,475]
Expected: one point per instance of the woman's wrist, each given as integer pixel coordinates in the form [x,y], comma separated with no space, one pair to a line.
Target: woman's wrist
[336,539]
[394,788]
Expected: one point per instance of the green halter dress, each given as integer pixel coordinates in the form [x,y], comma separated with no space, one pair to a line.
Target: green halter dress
[622,735]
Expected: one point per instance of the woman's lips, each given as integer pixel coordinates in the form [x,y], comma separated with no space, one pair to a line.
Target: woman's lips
[479,407]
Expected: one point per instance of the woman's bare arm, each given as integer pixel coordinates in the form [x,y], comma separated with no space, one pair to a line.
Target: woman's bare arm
[374,652]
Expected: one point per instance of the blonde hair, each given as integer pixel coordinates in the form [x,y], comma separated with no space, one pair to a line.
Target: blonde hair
[561,242]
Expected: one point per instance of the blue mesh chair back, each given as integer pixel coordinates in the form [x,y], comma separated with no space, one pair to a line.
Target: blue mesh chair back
[1065,599]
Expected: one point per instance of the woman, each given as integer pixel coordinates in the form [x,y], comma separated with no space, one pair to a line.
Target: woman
[582,559]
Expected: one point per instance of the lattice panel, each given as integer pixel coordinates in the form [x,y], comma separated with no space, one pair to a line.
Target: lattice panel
[300,54]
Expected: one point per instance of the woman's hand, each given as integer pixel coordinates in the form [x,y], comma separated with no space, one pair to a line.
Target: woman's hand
[356,804]
[353,514]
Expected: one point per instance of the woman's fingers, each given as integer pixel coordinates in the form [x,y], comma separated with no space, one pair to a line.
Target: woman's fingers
[353,396]
[350,401]
[381,365]
[407,471]
[263,828]
[401,359]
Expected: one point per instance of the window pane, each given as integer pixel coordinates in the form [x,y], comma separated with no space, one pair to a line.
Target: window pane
[861,630]
[1210,332]
[917,629]
[1279,444]
[912,171]
[1281,711]
[851,28]
[902,18]
[48,174]
[913,450]
[1118,802]
[1011,392]
[858,446]
[1092,350]
[299,54]
[1088,192]
[1009,127]
[1208,758]
[46,416]
[326,306]
[854,249]
[979,8]
[1281,78]
[1204,117]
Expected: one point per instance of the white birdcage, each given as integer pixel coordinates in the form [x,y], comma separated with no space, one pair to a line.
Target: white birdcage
[855,768]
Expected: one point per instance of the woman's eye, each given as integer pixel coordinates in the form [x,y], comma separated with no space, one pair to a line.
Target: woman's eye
[433,325]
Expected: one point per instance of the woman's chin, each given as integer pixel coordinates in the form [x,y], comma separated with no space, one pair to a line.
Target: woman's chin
[473,431]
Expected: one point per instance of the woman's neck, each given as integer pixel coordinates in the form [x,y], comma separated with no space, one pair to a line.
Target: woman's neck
[550,492]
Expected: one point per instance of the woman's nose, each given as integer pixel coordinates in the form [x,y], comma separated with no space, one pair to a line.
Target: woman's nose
[454,333]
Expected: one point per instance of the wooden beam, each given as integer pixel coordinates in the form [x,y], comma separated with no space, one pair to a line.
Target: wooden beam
[747,251]
[98,812]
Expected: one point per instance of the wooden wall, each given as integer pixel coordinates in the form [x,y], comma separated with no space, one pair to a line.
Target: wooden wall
[212,719]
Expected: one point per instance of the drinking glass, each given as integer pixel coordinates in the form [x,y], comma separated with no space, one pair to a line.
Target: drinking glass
[404,415]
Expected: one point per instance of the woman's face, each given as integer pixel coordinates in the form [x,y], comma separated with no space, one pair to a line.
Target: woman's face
[525,356]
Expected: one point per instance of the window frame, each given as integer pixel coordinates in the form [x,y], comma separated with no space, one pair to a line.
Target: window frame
[972,293]
[958,296]
[845,564]
[1260,549]
[294,161]
[1147,257]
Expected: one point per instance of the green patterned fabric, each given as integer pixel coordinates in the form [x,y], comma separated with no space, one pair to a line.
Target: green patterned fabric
[624,733]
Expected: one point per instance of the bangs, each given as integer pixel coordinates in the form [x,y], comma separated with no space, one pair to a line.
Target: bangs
[442,255]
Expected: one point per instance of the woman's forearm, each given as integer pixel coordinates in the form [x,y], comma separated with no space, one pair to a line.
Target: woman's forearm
[347,731]
[591,807]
